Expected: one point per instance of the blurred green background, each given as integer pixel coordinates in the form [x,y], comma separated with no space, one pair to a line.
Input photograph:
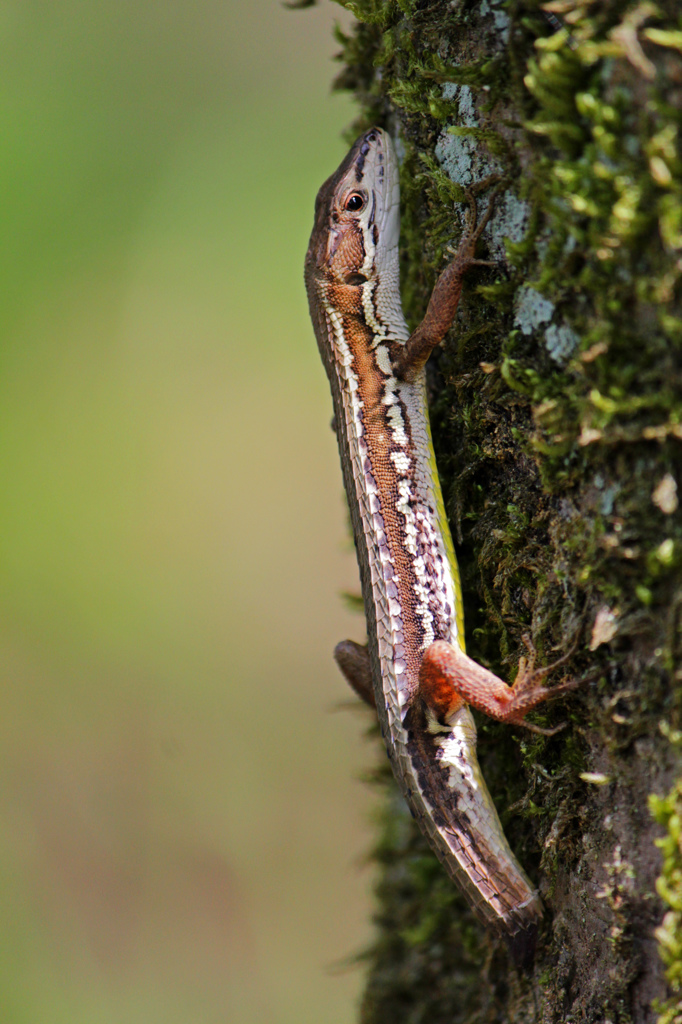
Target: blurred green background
[182,825]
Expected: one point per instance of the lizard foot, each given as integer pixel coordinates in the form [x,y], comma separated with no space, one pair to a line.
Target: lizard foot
[353,660]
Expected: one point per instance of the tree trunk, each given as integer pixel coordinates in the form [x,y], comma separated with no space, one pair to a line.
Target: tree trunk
[557,418]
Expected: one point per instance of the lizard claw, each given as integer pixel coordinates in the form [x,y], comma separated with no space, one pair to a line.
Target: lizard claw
[527,694]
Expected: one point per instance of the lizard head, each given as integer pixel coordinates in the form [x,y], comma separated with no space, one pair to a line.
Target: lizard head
[357,221]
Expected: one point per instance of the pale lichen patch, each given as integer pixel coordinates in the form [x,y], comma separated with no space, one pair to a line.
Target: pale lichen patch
[532,310]
[561,342]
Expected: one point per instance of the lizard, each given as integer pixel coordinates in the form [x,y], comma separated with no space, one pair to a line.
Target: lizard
[414,669]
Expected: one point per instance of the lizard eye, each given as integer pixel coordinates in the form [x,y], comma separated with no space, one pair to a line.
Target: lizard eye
[355,202]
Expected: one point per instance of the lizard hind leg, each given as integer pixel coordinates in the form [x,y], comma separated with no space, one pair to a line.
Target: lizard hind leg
[353,660]
[447,675]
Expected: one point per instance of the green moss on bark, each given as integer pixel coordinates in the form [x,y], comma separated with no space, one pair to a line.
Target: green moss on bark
[667,811]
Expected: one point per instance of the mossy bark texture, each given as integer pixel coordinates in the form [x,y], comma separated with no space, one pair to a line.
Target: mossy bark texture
[557,415]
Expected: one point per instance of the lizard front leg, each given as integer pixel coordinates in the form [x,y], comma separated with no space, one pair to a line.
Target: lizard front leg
[445,296]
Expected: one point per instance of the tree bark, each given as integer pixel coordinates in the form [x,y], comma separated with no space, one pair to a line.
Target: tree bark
[557,418]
